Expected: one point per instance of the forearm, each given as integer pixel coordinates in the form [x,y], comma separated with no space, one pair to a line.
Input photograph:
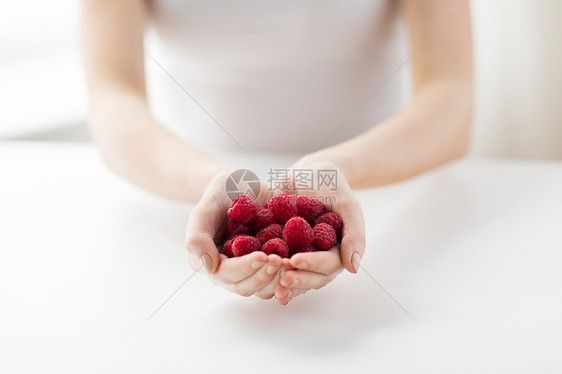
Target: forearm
[432,130]
[135,146]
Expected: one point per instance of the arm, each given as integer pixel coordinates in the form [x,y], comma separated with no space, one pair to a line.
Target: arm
[131,142]
[134,145]
[435,127]
[432,130]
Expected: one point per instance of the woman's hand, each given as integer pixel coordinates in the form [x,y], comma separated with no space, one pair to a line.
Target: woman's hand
[252,274]
[316,269]
[312,270]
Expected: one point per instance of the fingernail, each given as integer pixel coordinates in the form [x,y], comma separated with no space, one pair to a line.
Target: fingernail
[257,264]
[284,283]
[302,265]
[355,260]
[271,269]
[295,283]
[206,262]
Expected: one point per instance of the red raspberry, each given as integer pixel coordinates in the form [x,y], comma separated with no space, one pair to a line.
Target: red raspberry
[297,233]
[333,220]
[283,207]
[306,248]
[244,244]
[243,209]
[276,246]
[264,218]
[270,232]
[324,236]
[227,247]
[233,228]
[309,208]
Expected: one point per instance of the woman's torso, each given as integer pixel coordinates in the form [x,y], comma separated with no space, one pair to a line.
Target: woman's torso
[274,75]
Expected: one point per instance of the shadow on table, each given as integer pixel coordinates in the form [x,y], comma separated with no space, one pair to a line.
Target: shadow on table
[433,225]
[333,319]
[340,316]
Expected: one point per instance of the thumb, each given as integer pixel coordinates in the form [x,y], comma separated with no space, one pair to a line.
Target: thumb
[202,253]
[202,227]
[353,235]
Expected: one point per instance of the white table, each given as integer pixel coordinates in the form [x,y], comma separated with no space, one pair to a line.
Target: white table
[472,251]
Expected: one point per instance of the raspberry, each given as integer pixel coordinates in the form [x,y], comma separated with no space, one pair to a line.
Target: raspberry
[283,207]
[233,228]
[243,209]
[324,236]
[244,244]
[270,232]
[264,218]
[306,248]
[333,220]
[297,233]
[309,208]
[276,246]
[227,247]
[286,225]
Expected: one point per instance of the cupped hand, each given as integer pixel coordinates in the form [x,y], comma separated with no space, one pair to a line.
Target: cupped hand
[252,274]
[314,270]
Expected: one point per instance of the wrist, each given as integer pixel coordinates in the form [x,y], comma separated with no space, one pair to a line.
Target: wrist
[217,171]
[332,158]
[209,174]
[317,160]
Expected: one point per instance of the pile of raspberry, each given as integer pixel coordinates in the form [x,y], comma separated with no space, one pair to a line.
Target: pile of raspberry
[285,225]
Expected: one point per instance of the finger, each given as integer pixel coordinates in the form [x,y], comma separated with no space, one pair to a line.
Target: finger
[204,221]
[323,262]
[268,291]
[202,253]
[353,235]
[305,279]
[291,294]
[259,279]
[282,292]
[282,300]
[297,292]
[286,266]
[233,270]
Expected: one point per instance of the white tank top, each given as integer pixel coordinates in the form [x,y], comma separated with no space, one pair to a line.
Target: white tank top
[278,75]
